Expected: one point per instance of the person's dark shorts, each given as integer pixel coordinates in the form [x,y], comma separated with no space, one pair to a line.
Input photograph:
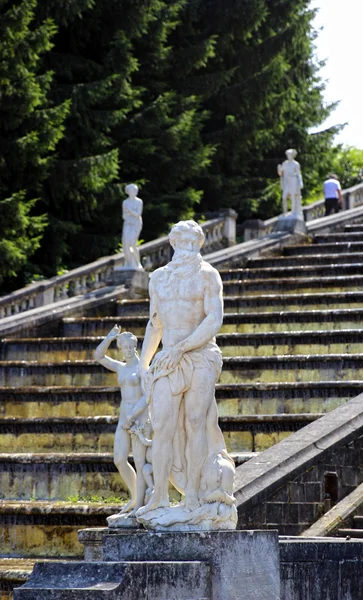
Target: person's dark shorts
[331,206]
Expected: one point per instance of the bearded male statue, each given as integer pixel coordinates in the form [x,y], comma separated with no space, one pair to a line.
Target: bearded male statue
[188,448]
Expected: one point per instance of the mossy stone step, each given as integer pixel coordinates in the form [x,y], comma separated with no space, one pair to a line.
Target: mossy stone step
[351,236]
[45,350]
[234,399]
[96,434]
[13,573]
[294,368]
[59,476]
[249,322]
[264,369]
[299,261]
[274,302]
[58,401]
[353,227]
[302,271]
[294,284]
[326,248]
[48,529]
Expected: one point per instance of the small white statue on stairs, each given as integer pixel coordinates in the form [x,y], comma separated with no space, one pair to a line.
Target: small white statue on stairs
[134,428]
[131,214]
[291,182]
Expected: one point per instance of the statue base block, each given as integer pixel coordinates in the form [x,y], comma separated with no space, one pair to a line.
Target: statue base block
[291,223]
[208,565]
[212,516]
[122,521]
[136,280]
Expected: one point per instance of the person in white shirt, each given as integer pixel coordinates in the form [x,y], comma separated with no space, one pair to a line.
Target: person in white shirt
[333,195]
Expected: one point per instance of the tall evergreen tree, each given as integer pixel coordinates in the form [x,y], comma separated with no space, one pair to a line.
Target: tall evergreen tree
[30,128]
[81,195]
[161,145]
[262,91]
[127,123]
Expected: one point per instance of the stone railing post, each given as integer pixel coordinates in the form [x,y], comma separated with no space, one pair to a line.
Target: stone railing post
[351,200]
[229,227]
[253,229]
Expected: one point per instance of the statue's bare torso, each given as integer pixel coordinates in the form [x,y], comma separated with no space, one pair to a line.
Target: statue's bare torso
[181,302]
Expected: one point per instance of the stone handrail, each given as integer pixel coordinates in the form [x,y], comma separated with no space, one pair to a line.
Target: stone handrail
[329,444]
[255,228]
[98,274]
[352,197]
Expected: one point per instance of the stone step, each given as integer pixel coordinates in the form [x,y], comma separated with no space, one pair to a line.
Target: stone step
[14,572]
[300,261]
[272,302]
[234,399]
[45,350]
[302,271]
[48,529]
[251,322]
[351,533]
[327,248]
[161,579]
[292,285]
[298,368]
[65,476]
[294,368]
[253,369]
[353,227]
[351,236]
[60,476]
[57,401]
[96,434]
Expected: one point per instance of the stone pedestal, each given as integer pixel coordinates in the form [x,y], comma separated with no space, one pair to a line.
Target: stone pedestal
[120,565]
[253,229]
[136,280]
[291,223]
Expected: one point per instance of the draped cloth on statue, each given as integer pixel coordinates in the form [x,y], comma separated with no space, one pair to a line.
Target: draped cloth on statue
[180,380]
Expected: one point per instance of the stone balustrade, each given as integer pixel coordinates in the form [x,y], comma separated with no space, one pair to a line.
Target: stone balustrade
[218,232]
[256,228]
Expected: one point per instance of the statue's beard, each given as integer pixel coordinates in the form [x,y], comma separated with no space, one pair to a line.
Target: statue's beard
[184,263]
[182,256]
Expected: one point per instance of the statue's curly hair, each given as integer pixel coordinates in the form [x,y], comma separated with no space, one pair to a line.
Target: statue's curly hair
[186,226]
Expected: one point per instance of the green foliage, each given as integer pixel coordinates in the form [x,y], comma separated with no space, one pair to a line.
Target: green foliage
[21,234]
[348,166]
[30,129]
[90,499]
[196,101]
[262,92]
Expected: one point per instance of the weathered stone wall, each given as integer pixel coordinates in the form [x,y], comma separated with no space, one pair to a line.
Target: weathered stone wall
[323,569]
[285,487]
[300,501]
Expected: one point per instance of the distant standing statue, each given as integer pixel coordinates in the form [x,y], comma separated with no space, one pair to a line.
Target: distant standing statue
[133,429]
[131,214]
[291,182]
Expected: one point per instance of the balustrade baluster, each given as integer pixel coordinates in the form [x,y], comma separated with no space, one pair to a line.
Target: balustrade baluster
[63,292]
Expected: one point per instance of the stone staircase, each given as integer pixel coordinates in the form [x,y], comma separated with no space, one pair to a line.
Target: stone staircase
[291,341]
